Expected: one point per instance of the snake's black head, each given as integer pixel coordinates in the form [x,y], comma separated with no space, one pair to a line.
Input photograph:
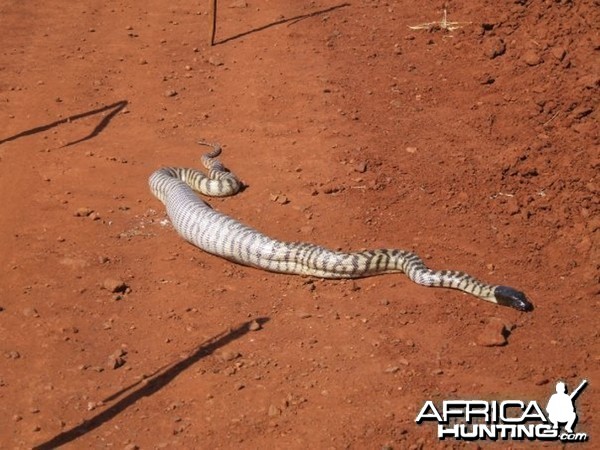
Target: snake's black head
[508,296]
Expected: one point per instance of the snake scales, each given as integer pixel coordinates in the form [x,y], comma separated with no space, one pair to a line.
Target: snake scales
[224,236]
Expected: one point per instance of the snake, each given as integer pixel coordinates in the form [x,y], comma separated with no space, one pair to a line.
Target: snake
[222,235]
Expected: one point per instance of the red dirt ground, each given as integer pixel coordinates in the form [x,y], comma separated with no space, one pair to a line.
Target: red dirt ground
[477,148]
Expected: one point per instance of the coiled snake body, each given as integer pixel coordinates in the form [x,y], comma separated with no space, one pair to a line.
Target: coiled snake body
[224,236]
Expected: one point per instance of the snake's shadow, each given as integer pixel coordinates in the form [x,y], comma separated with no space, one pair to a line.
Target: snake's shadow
[150,385]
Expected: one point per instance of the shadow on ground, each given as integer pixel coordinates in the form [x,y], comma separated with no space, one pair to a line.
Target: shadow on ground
[115,107]
[148,386]
[290,21]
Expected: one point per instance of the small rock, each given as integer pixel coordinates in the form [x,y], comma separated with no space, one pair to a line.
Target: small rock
[120,352]
[392,369]
[274,411]
[238,4]
[279,198]
[83,212]
[531,58]
[30,312]
[486,78]
[559,53]
[12,354]
[174,405]
[310,286]
[239,386]
[254,326]
[332,190]
[114,361]
[228,355]
[494,334]
[131,447]
[512,206]
[494,48]
[303,315]
[114,285]
[282,200]
[170,93]
[361,167]
[411,149]
[229,371]
[215,61]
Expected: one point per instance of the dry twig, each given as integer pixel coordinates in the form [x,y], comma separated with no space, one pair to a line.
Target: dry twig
[441,25]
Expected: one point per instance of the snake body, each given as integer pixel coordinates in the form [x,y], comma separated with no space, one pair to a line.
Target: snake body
[222,235]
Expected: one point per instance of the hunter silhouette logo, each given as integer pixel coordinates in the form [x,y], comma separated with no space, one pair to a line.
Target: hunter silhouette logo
[561,407]
[508,419]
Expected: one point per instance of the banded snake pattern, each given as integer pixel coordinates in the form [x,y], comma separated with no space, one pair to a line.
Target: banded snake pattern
[222,235]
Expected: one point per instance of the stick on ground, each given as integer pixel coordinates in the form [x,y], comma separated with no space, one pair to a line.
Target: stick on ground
[213,20]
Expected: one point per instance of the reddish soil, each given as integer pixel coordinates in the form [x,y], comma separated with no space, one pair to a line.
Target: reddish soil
[477,148]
